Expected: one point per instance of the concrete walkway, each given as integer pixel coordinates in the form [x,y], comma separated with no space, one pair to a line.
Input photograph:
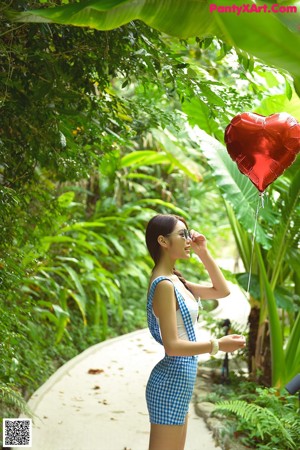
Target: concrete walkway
[96,401]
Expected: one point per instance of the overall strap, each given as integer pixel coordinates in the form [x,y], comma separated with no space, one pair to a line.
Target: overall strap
[152,321]
[186,316]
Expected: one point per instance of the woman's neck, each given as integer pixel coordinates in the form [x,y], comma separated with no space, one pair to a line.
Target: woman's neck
[165,265]
[164,269]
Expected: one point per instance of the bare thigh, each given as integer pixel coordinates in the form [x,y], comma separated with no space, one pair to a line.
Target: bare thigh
[168,437]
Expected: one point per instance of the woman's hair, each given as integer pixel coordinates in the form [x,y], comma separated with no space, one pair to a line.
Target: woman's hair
[161,224]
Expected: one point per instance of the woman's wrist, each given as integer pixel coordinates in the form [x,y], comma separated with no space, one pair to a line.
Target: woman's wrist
[203,253]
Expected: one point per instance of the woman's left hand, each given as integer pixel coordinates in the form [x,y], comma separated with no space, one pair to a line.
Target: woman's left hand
[199,242]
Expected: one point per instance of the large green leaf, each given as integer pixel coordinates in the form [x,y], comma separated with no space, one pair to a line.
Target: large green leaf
[143,157]
[110,14]
[63,317]
[291,20]
[283,297]
[177,154]
[285,232]
[276,103]
[262,34]
[292,353]
[167,205]
[278,366]
[236,188]
[172,156]
[241,237]
[199,114]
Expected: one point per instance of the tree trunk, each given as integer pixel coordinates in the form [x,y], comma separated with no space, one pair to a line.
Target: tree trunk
[259,358]
[92,198]
[253,321]
[263,355]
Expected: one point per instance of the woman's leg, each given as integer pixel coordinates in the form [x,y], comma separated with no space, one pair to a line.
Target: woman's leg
[184,433]
[167,437]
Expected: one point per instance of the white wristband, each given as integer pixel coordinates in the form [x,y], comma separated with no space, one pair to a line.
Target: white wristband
[214,346]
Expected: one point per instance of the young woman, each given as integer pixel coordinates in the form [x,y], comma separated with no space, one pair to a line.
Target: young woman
[172,312]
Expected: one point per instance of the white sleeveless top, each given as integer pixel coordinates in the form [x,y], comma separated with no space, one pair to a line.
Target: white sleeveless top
[193,307]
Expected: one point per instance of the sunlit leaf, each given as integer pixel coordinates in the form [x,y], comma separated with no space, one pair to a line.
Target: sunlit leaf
[144,157]
[166,205]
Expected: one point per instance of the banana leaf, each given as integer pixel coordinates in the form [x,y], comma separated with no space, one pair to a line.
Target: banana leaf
[292,352]
[266,35]
[148,157]
[285,233]
[279,369]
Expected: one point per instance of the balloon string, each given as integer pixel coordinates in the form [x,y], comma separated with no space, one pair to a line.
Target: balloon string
[260,204]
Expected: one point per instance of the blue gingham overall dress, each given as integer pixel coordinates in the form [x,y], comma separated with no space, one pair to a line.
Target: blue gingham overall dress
[171,382]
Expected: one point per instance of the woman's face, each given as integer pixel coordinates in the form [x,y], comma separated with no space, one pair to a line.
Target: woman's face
[180,241]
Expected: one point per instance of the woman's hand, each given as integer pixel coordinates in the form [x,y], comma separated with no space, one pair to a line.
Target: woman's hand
[199,242]
[231,343]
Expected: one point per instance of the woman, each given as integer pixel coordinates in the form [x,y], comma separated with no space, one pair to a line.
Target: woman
[172,315]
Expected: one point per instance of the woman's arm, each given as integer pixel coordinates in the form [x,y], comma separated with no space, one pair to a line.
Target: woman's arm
[164,305]
[219,288]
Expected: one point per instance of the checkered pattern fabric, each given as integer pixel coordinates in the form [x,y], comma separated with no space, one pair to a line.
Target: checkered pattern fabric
[171,383]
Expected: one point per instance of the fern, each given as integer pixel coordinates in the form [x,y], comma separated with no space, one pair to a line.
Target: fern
[10,397]
[262,419]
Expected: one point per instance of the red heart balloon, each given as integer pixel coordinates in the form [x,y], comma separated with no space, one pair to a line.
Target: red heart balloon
[263,147]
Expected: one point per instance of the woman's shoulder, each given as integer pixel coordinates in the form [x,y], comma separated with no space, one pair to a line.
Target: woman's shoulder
[160,282]
[161,278]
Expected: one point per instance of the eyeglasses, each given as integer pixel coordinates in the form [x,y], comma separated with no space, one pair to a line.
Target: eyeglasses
[185,234]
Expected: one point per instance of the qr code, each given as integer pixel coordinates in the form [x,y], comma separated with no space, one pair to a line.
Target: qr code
[17,432]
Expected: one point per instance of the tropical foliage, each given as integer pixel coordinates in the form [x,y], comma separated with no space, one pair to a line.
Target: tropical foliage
[97,135]
[264,422]
[253,416]
[83,167]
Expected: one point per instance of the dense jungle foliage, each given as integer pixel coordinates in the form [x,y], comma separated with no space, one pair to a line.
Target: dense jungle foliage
[99,131]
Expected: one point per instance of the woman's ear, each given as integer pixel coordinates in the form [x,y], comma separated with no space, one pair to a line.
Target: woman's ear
[162,241]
